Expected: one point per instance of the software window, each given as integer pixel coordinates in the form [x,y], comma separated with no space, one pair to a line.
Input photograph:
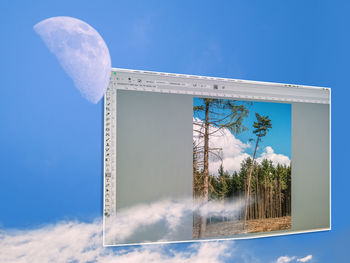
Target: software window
[200,158]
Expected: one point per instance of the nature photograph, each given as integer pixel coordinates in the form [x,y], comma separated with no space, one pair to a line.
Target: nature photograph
[241,159]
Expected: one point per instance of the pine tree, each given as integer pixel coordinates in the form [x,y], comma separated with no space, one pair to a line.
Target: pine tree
[223,187]
[262,125]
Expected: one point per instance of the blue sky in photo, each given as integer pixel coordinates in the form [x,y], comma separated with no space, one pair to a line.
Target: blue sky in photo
[278,137]
[51,137]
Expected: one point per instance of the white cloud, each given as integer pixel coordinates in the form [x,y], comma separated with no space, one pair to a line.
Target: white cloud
[205,252]
[286,259]
[234,151]
[173,214]
[82,242]
[270,154]
[305,259]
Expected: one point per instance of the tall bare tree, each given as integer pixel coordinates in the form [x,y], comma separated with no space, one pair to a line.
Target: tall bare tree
[262,125]
[211,117]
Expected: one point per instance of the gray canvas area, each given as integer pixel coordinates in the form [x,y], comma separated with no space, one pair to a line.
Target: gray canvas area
[154,159]
[154,153]
[310,166]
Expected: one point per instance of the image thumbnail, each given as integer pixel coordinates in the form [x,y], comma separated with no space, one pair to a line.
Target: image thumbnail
[241,167]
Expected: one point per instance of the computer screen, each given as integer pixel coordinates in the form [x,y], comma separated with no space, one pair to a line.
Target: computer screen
[194,158]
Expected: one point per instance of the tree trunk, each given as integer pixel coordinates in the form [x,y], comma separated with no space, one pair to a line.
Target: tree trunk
[248,186]
[205,193]
[271,208]
[195,164]
[280,196]
[257,214]
[265,198]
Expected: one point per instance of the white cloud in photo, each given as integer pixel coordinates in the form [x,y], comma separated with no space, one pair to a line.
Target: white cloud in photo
[276,158]
[233,151]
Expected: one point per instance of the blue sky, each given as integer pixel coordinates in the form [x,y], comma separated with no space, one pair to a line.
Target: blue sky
[278,137]
[51,138]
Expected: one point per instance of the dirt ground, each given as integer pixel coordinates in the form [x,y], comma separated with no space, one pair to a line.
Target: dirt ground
[269,224]
[230,228]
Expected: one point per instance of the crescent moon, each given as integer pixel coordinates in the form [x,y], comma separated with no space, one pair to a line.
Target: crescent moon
[81,51]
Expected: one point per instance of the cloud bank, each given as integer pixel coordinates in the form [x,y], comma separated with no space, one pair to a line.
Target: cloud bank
[82,242]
